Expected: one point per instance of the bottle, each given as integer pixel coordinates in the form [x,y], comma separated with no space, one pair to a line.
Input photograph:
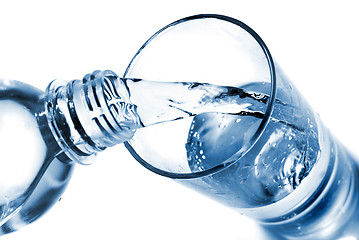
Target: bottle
[201,102]
[41,138]
[34,170]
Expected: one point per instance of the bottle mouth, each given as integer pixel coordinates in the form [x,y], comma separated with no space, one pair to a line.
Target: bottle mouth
[135,70]
[87,116]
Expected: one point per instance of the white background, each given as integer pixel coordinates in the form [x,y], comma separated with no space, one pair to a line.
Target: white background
[315,42]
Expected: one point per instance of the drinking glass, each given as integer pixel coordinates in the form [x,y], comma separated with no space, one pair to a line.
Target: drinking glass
[275,161]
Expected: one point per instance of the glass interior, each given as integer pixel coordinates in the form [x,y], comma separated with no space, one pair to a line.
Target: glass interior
[211,52]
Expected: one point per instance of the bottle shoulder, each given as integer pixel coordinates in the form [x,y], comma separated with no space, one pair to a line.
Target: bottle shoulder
[28,150]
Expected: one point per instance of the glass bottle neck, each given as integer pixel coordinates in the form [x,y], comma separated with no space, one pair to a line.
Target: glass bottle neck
[87,116]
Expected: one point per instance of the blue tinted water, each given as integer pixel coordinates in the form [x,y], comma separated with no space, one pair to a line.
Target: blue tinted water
[295,180]
[284,154]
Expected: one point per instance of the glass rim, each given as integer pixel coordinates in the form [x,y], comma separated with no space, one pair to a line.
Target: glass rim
[260,128]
